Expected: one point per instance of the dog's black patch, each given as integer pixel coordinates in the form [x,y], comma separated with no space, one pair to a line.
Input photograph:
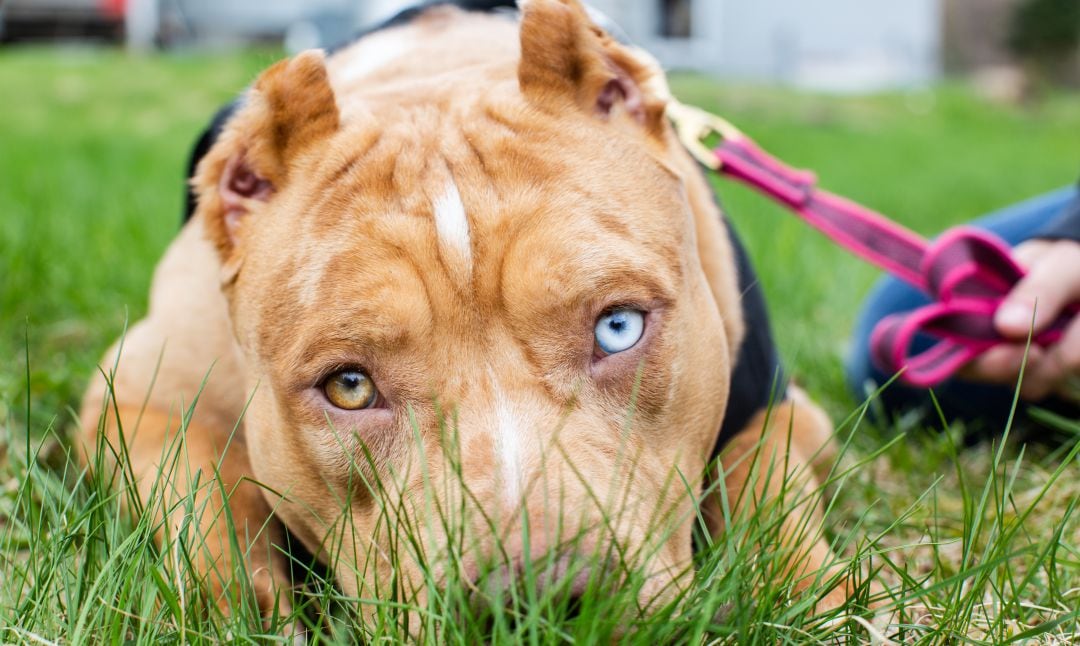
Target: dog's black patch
[758,377]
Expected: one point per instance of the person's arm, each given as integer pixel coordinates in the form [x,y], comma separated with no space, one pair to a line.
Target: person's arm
[1066,226]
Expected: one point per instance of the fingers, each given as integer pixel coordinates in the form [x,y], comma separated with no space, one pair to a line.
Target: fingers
[1040,380]
[1048,371]
[1002,364]
[1052,283]
[1028,252]
[1064,357]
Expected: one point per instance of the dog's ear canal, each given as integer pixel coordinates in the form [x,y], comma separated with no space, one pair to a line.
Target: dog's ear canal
[289,108]
[566,60]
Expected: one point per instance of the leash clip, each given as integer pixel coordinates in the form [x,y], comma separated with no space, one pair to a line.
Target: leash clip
[693,125]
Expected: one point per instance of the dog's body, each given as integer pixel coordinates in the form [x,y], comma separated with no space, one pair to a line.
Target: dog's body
[436,224]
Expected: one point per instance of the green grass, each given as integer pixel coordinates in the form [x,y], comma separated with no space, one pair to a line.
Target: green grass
[975,544]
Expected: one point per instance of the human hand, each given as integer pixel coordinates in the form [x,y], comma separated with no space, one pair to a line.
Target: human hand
[1052,283]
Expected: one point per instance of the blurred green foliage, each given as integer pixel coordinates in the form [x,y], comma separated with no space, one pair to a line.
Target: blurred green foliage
[1046,34]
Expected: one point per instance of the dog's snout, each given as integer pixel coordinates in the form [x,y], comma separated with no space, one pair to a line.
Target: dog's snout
[558,583]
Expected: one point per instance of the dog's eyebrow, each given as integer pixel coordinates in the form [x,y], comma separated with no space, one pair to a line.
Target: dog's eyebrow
[588,266]
[341,330]
[603,288]
[332,345]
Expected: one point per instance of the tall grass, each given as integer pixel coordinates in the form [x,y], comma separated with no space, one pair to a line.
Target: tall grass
[983,563]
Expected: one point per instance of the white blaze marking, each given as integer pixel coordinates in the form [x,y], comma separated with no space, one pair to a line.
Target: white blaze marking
[451,223]
[508,447]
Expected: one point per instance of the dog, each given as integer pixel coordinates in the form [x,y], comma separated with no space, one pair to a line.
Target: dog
[460,266]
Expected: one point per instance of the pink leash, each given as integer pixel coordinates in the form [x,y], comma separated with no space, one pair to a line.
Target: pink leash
[966,272]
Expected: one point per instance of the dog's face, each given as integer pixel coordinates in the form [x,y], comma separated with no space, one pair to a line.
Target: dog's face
[471,307]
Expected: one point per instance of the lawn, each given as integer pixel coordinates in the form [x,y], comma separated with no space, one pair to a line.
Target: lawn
[979,543]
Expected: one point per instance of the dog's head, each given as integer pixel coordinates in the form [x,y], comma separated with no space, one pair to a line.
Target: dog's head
[469,290]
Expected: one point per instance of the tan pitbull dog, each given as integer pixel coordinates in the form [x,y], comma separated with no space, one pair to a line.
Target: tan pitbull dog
[465,234]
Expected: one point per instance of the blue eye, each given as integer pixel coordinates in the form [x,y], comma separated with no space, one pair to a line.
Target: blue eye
[619,329]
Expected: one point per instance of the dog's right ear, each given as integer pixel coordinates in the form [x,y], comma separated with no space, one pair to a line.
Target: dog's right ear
[568,62]
[290,107]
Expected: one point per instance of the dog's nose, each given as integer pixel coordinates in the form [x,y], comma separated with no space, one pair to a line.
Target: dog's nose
[556,583]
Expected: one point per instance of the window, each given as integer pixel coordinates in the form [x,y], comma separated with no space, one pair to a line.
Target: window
[675,18]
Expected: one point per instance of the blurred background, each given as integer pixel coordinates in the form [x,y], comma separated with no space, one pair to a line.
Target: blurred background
[834,45]
[932,111]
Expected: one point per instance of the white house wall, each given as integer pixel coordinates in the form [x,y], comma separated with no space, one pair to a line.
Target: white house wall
[844,45]
[832,44]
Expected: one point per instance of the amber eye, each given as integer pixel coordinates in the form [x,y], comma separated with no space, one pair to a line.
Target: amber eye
[350,390]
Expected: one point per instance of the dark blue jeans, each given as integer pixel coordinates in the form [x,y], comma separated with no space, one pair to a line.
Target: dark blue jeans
[978,405]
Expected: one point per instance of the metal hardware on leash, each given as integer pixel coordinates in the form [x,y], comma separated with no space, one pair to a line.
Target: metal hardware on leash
[694,125]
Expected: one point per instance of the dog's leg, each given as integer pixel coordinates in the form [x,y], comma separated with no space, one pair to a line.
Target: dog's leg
[784,452]
[183,349]
[190,483]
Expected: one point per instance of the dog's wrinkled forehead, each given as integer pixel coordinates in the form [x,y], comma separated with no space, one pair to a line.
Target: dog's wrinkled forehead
[424,153]
[466,199]
[456,142]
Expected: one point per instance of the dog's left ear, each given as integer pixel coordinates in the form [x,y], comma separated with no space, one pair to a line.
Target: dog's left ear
[289,109]
[567,61]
